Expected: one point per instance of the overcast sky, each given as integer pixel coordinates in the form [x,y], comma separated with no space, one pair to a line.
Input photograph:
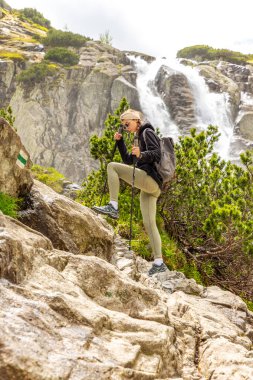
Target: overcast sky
[156,27]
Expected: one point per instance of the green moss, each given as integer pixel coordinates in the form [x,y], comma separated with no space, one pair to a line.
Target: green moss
[24,39]
[17,57]
[50,176]
[40,27]
[249,304]
[36,32]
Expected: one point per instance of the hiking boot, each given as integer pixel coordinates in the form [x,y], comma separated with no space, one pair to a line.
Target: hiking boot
[107,210]
[157,269]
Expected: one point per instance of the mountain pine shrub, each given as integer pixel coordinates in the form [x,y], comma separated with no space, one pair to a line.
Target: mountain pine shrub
[208,209]
[62,55]
[7,114]
[32,15]
[36,73]
[60,38]
[50,176]
[206,216]
[9,205]
[207,53]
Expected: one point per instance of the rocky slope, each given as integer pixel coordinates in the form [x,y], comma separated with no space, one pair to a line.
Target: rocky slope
[76,304]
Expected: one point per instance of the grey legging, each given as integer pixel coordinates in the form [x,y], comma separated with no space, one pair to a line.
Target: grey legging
[150,191]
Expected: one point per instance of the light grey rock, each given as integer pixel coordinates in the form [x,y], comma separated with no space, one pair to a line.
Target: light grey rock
[218,82]
[73,315]
[57,118]
[69,225]
[15,177]
[245,125]
[176,93]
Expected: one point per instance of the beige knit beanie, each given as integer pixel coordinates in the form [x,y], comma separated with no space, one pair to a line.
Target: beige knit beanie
[131,115]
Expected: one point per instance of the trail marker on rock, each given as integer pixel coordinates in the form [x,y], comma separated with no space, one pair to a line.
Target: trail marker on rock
[22,159]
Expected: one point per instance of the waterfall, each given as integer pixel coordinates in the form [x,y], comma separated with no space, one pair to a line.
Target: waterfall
[211,108]
[152,104]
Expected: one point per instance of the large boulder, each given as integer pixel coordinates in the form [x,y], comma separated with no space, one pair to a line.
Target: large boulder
[15,177]
[76,317]
[69,225]
[176,93]
[239,74]
[245,125]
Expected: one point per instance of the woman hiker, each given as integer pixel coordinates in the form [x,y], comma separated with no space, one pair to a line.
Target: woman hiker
[147,179]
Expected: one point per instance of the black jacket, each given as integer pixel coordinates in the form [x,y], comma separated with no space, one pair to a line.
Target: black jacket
[150,152]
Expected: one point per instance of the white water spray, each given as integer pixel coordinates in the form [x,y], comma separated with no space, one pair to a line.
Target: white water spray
[211,108]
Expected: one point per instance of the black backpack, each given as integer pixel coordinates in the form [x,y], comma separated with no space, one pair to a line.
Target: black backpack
[166,166]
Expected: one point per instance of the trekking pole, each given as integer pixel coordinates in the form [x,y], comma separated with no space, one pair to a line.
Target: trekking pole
[120,130]
[136,143]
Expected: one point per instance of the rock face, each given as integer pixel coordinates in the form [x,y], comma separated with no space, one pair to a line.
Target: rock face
[245,125]
[237,81]
[56,119]
[17,37]
[15,178]
[219,82]
[177,95]
[8,70]
[75,317]
[69,225]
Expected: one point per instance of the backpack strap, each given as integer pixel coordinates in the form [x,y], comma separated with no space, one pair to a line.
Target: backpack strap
[144,135]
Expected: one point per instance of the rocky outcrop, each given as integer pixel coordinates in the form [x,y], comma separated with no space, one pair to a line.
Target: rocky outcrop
[18,37]
[74,317]
[245,125]
[15,178]
[236,83]
[175,90]
[242,75]
[218,82]
[69,225]
[4,5]
[56,119]
[8,70]
[146,57]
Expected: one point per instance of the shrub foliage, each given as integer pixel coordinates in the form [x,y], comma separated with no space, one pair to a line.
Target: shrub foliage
[9,205]
[60,38]
[50,176]
[36,73]
[31,14]
[205,52]
[8,115]
[209,211]
[62,55]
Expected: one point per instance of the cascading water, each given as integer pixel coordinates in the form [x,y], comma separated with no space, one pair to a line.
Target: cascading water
[151,102]
[211,108]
